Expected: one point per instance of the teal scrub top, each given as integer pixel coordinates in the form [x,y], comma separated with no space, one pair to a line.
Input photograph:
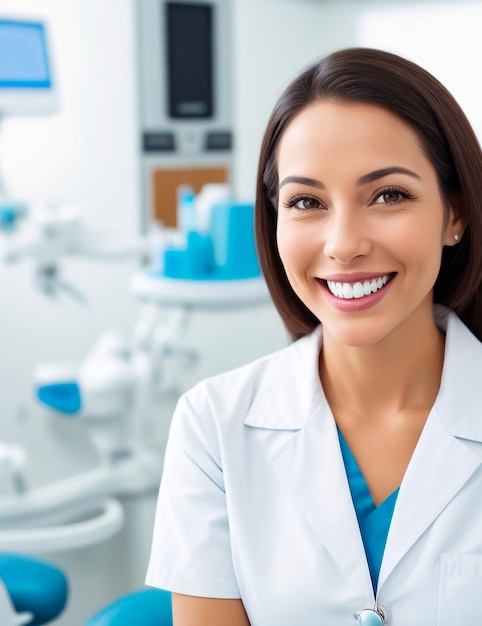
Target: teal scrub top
[374,521]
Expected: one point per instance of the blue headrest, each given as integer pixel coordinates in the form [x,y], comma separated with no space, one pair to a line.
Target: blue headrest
[149,607]
[34,586]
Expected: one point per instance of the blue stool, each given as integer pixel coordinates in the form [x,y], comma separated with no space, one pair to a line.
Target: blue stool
[149,607]
[34,586]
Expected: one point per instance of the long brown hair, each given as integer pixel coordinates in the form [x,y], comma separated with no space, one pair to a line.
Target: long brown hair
[404,88]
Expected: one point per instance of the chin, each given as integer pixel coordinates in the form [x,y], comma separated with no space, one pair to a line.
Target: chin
[355,335]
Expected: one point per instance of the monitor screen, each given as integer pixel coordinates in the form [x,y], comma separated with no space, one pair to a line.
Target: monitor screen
[190,58]
[26,84]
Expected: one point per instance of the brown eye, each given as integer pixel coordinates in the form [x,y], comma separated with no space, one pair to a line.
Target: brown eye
[305,203]
[391,196]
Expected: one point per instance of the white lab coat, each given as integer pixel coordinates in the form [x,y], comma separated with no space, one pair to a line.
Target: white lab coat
[254,500]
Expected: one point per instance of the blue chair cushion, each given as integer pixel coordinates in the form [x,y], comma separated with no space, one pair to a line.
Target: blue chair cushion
[148,607]
[34,586]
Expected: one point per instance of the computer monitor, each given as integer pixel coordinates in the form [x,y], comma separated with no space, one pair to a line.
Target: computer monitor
[26,83]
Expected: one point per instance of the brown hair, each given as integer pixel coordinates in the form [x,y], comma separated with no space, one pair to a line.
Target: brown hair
[404,88]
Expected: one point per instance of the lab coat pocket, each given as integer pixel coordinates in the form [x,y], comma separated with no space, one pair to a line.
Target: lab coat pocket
[460,597]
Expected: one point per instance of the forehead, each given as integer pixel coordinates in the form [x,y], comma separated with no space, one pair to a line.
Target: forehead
[356,135]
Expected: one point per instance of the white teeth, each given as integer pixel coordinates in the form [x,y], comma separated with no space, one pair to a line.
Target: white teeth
[347,291]
[357,290]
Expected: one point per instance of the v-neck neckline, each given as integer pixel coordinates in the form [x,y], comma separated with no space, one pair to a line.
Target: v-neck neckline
[374,521]
[357,480]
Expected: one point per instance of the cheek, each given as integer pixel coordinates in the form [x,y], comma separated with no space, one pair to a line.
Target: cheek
[292,250]
[412,233]
[418,246]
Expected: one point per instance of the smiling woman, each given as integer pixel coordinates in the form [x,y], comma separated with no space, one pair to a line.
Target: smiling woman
[359,204]
[339,480]
[424,108]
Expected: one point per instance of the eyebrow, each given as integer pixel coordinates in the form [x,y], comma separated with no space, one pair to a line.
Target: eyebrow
[311,182]
[368,178]
[363,180]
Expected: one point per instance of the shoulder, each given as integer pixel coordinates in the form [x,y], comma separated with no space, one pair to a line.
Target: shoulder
[274,388]
[240,386]
[460,390]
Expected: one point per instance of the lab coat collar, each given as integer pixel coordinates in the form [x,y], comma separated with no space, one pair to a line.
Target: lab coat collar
[297,430]
[445,457]
[291,391]
[458,401]
[291,399]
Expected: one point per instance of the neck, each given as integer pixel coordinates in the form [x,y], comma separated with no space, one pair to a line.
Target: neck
[400,373]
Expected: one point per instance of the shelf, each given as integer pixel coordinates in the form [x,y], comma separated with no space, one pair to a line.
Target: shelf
[202,294]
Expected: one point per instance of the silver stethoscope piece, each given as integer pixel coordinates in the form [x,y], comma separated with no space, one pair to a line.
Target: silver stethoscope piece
[370,617]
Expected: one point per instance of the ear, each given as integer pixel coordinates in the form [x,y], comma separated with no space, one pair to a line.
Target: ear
[456,222]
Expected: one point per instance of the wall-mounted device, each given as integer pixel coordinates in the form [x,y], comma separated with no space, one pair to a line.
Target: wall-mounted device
[185,105]
[189,40]
[26,83]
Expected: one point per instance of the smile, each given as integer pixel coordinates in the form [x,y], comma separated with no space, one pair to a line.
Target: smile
[360,289]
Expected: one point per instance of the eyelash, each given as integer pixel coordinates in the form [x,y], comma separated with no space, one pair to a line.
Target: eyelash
[293,201]
[404,195]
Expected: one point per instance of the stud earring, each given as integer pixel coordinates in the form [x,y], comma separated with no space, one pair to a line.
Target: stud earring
[456,237]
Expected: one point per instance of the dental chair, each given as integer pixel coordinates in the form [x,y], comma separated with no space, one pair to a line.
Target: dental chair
[148,607]
[32,592]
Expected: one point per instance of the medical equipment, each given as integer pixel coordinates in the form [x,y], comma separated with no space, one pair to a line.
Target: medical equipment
[112,389]
[37,591]
[27,87]
[47,233]
[148,607]
[113,386]
[184,68]
[27,84]
[8,614]
[184,56]
[12,462]
[80,510]
[69,514]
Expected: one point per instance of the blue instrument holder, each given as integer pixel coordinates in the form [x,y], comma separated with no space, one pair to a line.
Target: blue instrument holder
[64,397]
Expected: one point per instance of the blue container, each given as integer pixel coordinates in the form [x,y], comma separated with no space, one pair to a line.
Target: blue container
[195,262]
[232,232]
[226,252]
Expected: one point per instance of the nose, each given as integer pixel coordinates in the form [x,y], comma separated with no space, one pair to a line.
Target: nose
[346,236]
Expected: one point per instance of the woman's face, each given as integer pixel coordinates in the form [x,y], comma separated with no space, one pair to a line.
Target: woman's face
[361,221]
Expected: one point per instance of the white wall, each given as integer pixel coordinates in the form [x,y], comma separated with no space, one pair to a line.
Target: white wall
[87,154]
[273,41]
[446,40]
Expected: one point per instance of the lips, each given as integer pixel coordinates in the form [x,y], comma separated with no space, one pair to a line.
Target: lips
[358,286]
